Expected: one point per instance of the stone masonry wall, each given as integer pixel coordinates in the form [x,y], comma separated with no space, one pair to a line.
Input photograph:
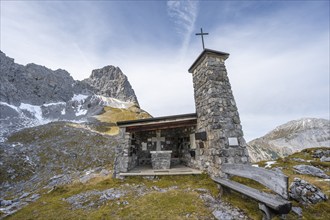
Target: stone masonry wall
[217,116]
[122,159]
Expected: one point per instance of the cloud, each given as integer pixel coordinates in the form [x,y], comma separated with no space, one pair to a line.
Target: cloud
[183,14]
[278,68]
[54,34]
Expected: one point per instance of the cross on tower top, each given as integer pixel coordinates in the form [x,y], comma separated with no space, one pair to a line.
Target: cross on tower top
[202,35]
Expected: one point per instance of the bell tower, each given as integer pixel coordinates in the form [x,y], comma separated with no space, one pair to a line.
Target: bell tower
[218,122]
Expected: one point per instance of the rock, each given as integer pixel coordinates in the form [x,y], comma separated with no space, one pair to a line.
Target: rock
[297,210]
[310,170]
[86,200]
[32,95]
[208,199]
[35,197]
[5,202]
[104,172]
[298,159]
[125,203]
[320,153]
[325,159]
[111,82]
[202,190]
[36,85]
[159,189]
[24,195]
[221,215]
[289,138]
[304,192]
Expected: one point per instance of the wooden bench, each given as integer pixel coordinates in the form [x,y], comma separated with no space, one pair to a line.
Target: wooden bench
[269,204]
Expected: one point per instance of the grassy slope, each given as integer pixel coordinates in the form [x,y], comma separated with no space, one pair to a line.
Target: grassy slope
[173,204]
[111,115]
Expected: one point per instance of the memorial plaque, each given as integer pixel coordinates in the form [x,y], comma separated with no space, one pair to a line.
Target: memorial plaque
[192,142]
[144,146]
[201,136]
[233,141]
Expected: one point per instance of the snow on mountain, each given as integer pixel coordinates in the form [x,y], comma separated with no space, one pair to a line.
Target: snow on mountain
[112,102]
[33,109]
[79,108]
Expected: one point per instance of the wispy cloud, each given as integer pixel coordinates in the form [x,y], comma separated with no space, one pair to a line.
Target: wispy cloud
[183,14]
[278,68]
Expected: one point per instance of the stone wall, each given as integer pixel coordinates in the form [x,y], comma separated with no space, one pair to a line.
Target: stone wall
[134,148]
[217,115]
[122,159]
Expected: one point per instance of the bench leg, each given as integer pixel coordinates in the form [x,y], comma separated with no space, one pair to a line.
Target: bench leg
[267,212]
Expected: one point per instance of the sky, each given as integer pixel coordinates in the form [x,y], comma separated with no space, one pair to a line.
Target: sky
[279,50]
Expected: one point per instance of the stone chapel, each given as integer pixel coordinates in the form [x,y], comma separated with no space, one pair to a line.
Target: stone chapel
[202,141]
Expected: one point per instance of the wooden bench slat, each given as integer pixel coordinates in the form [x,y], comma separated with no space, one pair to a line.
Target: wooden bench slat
[271,179]
[276,203]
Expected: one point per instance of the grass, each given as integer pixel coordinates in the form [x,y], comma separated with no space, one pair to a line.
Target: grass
[312,211]
[174,204]
[249,206]
[111,116]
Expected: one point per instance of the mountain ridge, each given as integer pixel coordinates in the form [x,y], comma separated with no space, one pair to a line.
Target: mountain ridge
[33,95]
[289,138]
[35,84]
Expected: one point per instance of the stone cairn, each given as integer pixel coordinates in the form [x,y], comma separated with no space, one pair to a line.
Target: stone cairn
[217,115]
[304,192]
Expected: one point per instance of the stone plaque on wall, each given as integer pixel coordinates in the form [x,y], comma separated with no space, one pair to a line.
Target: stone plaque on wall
[233,141]
[144,146]
[201,136]
[192,141]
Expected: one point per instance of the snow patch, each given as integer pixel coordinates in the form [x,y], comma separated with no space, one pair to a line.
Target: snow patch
[255,165]
[269,164]
[55,103]
[10,106]
[112,102]
[63,112]
[80,111]
[33,109]
[79,97]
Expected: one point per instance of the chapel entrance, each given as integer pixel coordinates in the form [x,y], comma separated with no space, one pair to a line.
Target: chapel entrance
[160,145]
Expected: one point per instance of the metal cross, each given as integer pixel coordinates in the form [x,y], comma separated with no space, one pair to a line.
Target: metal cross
[202,34]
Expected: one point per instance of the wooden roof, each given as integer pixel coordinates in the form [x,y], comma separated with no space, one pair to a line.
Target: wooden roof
[159,123]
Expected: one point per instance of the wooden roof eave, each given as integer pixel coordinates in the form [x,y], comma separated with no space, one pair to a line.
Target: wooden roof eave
[161,125]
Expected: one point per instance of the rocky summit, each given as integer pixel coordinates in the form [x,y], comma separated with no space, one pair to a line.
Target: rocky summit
[290,137]
[36,85]
[111,82]
[33,95]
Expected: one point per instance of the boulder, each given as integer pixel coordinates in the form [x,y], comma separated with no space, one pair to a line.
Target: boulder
[325,159]
[310,170]
[304,192]
[320,153]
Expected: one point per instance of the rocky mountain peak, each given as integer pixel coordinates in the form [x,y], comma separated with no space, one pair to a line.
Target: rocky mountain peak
[300,125]
[37,85]
[112,82]
[291,137]
[32,84]
[111,72]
